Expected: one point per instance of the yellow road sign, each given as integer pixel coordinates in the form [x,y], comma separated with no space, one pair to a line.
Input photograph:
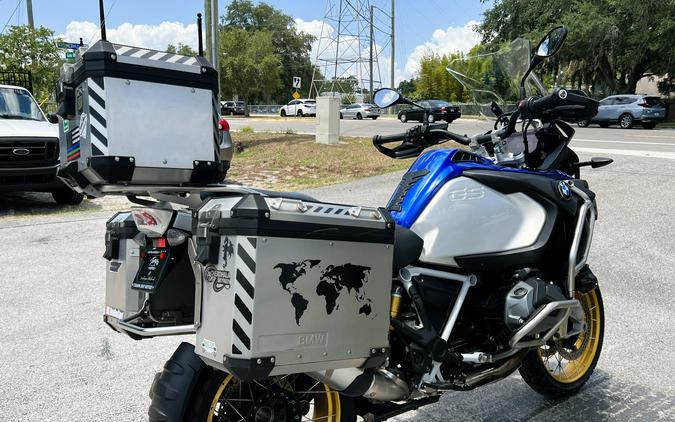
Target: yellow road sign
[296,95]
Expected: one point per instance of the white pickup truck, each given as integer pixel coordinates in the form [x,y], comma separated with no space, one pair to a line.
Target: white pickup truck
[29,148]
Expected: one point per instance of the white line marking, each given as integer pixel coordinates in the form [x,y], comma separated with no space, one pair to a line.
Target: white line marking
[174,59]
[622,142]
[122,49]
[634,153]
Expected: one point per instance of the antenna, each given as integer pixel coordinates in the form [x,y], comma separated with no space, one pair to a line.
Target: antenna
[101,13]
[199,34]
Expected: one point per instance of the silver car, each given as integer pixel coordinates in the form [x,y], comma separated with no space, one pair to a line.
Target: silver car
[359,111]
[627,110]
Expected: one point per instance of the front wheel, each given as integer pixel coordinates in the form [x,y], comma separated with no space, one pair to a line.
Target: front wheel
[67,196]
[626,121]
[583,123]
[560,368]
[403,117]
[283,113]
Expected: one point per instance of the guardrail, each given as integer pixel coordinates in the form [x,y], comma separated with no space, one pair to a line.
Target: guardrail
[467,109]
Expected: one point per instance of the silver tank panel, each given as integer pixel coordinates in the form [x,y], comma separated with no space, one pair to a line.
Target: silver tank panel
[466,217]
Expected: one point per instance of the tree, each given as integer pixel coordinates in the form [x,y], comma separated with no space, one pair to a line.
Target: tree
[611,44]
[249,67]
[32,49]
[407,88]
[291,47]
[182,49]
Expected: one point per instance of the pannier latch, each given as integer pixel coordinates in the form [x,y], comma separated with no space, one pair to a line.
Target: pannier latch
[208,238]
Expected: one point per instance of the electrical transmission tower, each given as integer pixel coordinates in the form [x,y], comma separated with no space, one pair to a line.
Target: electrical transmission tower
[355,36]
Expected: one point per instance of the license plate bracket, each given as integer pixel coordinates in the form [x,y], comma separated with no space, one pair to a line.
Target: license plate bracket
[152,270]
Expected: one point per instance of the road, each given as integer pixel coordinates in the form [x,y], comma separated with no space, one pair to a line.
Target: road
[637,141]
[60,362]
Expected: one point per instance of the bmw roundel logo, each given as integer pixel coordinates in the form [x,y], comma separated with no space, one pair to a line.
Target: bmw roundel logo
[564,190]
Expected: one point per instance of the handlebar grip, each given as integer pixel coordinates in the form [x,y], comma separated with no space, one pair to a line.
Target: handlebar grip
[536,106]
[385,139]
[453,136]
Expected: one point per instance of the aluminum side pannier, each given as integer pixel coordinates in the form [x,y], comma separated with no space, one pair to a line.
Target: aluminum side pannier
[291,286]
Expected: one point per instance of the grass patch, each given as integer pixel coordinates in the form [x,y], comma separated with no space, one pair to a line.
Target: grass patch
[247,129]
[292,162]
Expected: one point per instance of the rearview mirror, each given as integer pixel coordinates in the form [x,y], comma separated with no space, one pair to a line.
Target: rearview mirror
[386,97]
[552,42]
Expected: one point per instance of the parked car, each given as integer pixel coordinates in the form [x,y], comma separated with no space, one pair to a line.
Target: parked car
[29,148]
[359,111]
[301,107]
[626,110]
[231,108]
[440,110]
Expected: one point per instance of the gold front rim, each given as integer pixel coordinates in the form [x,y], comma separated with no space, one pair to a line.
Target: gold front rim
[322,403]
[569,364]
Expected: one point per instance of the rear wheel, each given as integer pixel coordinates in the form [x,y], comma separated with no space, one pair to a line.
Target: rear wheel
[67,196]
[359,116]
[583,123]
[300,114]
[374,117]
[560,368]
[188,390]
[626,121]
[220,397]
[649,125]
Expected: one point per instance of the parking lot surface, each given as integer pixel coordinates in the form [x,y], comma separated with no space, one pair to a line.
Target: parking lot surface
[658,142]
[60,362]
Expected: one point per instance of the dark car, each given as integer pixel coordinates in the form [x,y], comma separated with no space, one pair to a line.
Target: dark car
[439,110]
[231,108]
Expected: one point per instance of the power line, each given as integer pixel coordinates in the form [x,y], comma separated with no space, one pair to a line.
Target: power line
[11,16]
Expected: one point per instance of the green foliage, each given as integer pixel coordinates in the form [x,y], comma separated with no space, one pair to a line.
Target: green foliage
[247,129]
[611,43]
[28,49]
[249,67]
[290,47]
[182,49]
[407,88]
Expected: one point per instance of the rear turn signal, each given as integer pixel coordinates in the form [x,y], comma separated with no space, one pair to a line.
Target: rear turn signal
[223,125]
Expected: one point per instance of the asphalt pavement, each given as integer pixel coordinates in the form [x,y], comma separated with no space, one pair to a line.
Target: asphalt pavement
[60,362]
[658,142]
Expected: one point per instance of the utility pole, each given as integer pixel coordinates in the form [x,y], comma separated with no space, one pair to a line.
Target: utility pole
[391,65]
[29,6]
[372,41]
[215,40]
[208,15]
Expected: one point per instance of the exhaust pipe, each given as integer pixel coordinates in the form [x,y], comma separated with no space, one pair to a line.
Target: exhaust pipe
[377,384]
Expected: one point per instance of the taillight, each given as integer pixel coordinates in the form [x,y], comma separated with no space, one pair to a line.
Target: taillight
[152,221]
[223,125]
[644,104]
[442,109]
[159,243]
[366,109]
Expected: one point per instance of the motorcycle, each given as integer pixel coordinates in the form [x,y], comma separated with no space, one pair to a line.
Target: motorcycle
[488,248]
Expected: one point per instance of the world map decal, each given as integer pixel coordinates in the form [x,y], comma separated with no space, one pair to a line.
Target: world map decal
[333,282]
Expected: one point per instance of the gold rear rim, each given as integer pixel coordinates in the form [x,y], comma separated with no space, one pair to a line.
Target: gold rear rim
[236,401]
[568,363]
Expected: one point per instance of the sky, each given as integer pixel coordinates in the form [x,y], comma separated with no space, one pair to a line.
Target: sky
[441,26]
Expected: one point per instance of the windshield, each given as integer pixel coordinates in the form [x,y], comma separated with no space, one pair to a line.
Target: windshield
[495,77]
[17,103]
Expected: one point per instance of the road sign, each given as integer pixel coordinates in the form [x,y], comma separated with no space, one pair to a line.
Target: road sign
[68,45]
[70,54]
[296,82]
[296,95]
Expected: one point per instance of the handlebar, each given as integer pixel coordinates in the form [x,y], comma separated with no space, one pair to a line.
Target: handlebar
[385,139]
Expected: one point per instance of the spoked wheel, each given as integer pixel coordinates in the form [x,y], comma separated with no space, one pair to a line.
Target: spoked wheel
[289,398]
[561,368]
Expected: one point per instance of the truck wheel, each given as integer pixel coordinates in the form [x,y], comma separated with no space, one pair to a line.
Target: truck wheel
[188,390]
[67,196]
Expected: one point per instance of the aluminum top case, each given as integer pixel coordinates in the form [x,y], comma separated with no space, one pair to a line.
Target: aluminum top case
[134,116]
[291,286]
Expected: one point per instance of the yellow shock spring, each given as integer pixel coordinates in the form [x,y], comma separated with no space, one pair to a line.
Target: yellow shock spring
[396,298]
